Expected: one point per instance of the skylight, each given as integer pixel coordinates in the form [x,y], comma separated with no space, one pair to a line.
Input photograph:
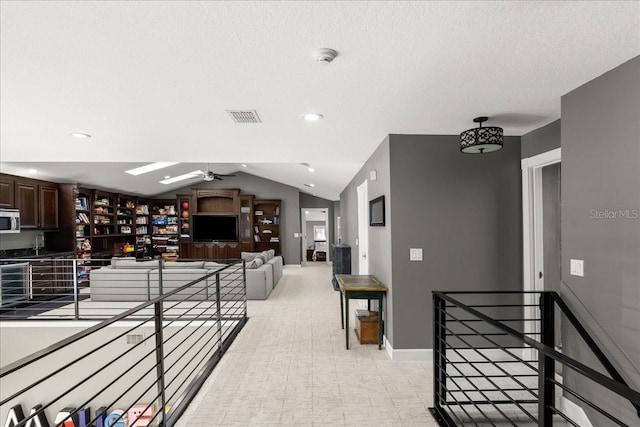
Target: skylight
[150,168]
[182,177]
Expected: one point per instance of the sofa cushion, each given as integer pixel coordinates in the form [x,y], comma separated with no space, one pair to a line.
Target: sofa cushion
[248,256]
[210,265]
[266,255]
[271,253]
[256,263]
[129,263]
[189,264]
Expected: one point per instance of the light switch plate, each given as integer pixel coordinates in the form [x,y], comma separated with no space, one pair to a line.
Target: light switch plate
[577,267]
[415,254]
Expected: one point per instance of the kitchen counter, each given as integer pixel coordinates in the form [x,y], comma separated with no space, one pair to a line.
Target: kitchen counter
[31,253]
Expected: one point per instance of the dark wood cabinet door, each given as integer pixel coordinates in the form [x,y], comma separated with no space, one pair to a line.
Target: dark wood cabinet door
[197,251]
[7,199]
[212,251]
[48,207]
[185,250]
[27,202]
[233,251]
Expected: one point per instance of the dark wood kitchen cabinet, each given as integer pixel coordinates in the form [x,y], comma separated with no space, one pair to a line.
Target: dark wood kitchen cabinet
[7,199]
[48,207]
[27,202]
[42,277]
[37,201]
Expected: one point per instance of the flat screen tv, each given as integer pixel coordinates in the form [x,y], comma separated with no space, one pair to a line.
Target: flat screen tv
[215,228]
[376,212]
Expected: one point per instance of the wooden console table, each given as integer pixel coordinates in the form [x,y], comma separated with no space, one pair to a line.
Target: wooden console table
[360,287]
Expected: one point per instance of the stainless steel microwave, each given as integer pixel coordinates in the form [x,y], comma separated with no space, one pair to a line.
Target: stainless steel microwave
[9,221]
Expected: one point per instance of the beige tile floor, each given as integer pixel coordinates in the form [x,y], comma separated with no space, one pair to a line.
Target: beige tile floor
[289,366]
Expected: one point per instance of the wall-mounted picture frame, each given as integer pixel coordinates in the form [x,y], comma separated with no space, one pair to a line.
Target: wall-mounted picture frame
[376,212]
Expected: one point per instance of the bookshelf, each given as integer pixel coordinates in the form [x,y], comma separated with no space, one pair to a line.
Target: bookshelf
[125,223]
[164,223]
[267,225]
[184,215]
[103,214]
[82,199]
[143,235]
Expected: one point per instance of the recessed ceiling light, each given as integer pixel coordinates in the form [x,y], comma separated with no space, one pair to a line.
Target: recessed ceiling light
[306,212]
[244,165]
[32,171]
[182,177]
[312,117]
[311,170]
[150,167]
[310,185]
[80,135]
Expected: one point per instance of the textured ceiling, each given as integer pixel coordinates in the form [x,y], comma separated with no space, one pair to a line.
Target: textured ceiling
[151,81]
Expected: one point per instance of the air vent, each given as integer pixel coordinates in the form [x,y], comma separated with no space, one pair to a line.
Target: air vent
[244,116]
[133,339]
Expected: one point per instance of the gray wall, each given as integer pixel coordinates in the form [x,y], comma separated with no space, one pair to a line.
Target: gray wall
[551,226]
[601,177]
[465,212]
[309,201]
[541,140]
[379,237]
[264,189]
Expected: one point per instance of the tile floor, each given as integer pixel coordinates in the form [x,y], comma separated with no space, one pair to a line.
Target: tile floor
[289,366]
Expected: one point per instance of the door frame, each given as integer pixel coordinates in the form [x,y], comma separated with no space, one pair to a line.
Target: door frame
[363,227]
[532,231]
[304,237]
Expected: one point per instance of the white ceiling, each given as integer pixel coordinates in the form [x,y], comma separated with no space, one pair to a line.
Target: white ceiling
[151,81]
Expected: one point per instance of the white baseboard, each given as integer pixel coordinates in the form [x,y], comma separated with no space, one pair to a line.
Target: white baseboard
[575,412]
[408,355]
[292,266]
[426,354]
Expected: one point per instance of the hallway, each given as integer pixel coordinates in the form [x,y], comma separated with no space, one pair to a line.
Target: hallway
[289,367]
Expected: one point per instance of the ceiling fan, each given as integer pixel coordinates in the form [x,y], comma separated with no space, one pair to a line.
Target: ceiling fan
[210,175]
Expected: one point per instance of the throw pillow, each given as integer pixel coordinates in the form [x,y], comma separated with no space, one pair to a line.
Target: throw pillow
[256,263]
[248,256]
[261,257]
[272,253]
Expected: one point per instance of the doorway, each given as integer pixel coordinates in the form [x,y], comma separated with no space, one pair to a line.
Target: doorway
[315,242]
[363,228]
[541,202]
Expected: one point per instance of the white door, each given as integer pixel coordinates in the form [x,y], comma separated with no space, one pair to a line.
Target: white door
[363,229]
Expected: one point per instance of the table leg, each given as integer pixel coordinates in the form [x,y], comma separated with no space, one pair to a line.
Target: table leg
[346,320]
[380,323]
[341,310]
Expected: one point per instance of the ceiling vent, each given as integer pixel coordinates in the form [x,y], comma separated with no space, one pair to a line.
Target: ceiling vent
[244,116]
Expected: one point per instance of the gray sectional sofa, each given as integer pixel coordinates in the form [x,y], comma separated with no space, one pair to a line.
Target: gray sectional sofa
[129,280]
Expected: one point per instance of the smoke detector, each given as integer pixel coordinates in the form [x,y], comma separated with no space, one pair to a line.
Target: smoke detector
[325,55]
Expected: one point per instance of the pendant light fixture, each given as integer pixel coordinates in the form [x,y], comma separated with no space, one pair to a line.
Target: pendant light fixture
[481,140]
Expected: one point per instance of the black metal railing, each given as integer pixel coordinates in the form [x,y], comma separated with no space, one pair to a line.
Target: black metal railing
[498,361]
[145,363]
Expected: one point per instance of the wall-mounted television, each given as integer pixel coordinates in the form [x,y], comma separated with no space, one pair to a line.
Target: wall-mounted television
[215,228]
[376,212]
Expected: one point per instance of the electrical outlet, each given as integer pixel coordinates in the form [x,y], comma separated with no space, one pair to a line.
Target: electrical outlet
[415,254]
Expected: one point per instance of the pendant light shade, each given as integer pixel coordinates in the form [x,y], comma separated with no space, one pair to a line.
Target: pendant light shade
[481,140]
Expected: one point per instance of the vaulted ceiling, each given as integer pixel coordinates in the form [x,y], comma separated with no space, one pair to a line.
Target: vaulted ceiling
[151,81]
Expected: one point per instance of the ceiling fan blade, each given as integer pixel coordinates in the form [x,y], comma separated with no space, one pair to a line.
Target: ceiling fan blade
[217,177]
[222,174]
